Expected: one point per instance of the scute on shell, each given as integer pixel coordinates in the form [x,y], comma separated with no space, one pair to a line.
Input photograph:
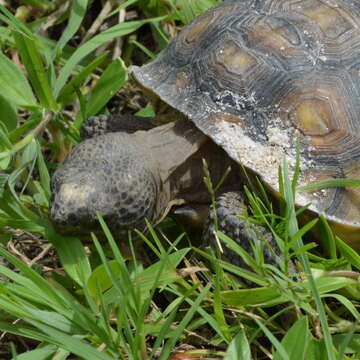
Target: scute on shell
[254,75]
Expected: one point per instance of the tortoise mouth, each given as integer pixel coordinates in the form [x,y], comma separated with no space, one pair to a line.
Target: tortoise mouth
[74,227]
[84,232]
[69,224]
[74,230]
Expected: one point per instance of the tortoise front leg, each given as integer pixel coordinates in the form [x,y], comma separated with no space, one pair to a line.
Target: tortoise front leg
[229,206]
[103,124]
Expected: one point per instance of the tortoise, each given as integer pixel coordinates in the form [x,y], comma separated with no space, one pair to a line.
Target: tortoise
[249,77]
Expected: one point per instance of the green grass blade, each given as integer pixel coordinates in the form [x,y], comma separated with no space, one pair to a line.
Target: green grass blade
[32,121]
[292,230]
[99,281]
[38,281]
[77,13]
[239,348]
[164,331]
[109,34]
[270,295]
[187,10]
[348,253]
[74,84]
[31,58]
[8,115]
[15,24]
[144,49]
[162,272]
[296,340]
[347,304]
[300,233]
[5,145]
[234,246]
[54,319]
[23,330]
[347,341]
[112,79]
[218,306]
[124,5]
[126,279]
[296,167]
[71,343]
[40,4]
[72,255]
[14,86]
[331,183]
[38,354]
[170,344]
[327,237]
[283,355]
[43,173]
[240,272]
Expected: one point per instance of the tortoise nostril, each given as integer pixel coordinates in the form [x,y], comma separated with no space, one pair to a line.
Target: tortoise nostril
[72,219]
[57,214]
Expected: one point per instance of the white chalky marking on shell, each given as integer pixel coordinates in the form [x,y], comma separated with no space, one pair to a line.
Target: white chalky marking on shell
[265,159]
[331,3]
[239,101]
[276,137]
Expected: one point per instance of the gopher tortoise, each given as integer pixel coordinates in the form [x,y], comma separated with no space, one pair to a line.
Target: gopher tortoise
[250,78]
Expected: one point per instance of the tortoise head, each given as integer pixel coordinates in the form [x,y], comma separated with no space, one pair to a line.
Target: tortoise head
[108,174]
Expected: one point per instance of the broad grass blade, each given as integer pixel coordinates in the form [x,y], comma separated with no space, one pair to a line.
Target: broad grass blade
[31,58]
[14,86]
[112,79]
[296,340]
[239,348]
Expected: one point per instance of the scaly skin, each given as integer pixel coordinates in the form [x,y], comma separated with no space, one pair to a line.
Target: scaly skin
[104,124]
[230,209]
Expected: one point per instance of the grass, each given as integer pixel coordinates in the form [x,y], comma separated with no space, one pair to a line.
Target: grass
[59,64]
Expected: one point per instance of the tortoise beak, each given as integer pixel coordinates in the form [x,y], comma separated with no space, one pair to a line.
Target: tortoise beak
[69,205]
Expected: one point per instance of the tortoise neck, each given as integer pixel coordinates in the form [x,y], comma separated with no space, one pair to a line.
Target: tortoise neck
[166,149]
[188,179]
[171,145]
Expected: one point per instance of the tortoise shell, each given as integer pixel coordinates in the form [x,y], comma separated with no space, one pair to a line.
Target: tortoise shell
[255,75]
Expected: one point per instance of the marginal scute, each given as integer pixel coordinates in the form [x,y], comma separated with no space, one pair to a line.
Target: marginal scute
[262,73]
[195,33]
